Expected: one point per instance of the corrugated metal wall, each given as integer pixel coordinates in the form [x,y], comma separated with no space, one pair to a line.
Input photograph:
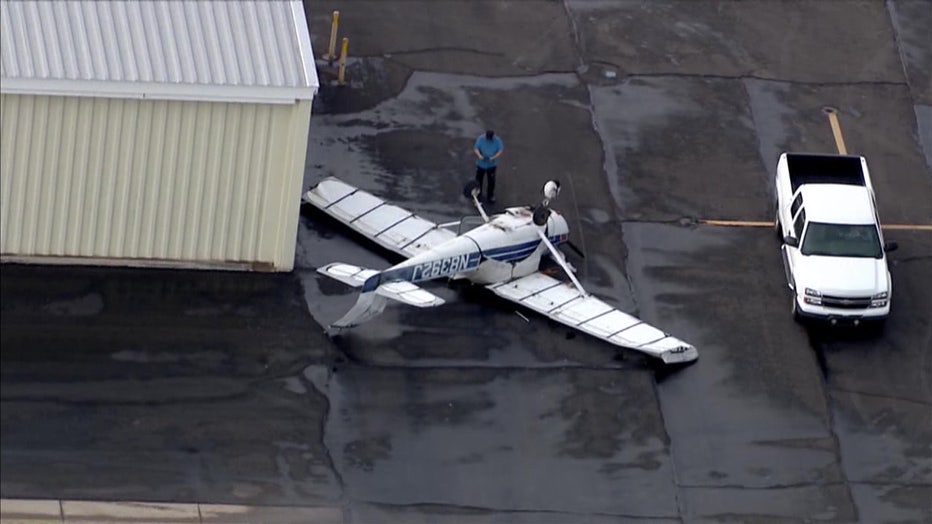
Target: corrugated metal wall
[148,180]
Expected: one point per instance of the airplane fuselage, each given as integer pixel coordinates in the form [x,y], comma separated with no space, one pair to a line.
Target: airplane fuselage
[506,247]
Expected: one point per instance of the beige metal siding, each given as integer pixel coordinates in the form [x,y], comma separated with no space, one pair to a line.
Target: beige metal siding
[140,180]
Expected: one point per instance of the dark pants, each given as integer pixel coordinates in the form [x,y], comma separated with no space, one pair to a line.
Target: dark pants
[480,174]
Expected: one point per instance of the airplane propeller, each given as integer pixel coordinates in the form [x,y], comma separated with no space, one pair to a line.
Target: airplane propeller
[541,214]
[576,249]
[559,257]
[471,190]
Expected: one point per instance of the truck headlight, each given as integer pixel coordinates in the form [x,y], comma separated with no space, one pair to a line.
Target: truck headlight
[813,297]
[880,299]
[881,295]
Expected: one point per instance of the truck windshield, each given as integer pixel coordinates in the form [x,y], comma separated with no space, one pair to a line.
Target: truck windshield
[842,240]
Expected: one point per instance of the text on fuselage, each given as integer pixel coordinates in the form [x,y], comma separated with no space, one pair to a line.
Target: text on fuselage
[444,266]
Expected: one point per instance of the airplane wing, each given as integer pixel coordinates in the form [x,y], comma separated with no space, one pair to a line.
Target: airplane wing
[387,225]
[566,304]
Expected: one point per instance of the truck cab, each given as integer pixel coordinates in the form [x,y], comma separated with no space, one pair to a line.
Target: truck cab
[834,254]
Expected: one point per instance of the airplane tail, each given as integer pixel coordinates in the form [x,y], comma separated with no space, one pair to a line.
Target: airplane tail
[372,302]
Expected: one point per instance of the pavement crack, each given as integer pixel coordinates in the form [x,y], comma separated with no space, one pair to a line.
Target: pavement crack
[895,30]
[518,511]
[788,485]
[322,390]
[148,403]
[408,52]
[824,83]
[821,364]
[881,396]
[579,46]
[504,368]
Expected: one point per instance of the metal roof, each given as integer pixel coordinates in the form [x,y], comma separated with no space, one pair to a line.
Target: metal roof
[244,50]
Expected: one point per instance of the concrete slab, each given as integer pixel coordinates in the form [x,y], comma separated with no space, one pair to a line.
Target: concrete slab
[891,502]
[829,503]
[750,413]
[565,441]
[844,41]
[883,440]
[912,23]
[681,148]
[877,121]
[504,38]
[924,123]
[160,386]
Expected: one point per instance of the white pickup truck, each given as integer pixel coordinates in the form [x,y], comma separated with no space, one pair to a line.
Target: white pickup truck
[834,254]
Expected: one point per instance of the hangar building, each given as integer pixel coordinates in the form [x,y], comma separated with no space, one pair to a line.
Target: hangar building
[153,132]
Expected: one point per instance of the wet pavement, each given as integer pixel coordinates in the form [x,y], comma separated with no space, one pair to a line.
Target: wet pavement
[224,388]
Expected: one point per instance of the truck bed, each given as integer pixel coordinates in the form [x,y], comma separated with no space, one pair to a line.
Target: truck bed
[824,169]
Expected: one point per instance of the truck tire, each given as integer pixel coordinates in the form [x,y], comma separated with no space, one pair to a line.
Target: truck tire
[796,316]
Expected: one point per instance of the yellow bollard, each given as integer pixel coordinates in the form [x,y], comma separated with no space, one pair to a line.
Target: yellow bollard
[333,38]
[342,71]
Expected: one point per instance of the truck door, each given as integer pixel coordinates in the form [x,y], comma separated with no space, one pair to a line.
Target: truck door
[791,253]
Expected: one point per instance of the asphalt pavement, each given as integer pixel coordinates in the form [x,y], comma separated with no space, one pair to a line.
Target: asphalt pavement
[224,388]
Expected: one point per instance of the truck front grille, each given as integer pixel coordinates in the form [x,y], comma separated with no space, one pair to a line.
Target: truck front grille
[846,302]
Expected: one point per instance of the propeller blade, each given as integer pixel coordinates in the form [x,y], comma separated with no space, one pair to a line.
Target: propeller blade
[576,249]
[559,258]
[471,191]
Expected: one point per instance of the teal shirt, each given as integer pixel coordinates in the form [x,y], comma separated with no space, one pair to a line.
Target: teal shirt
[488,148]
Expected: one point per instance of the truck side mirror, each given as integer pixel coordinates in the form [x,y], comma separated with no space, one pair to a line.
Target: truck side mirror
[891,246]
[790,241]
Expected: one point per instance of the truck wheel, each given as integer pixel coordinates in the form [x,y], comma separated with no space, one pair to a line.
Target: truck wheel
[796,316]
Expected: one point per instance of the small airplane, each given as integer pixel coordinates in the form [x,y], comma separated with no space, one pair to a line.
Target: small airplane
[503,252]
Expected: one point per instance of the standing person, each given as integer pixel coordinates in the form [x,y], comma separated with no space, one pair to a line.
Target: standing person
[488,148]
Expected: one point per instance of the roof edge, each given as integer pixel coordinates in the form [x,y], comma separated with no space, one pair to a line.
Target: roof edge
[157,91]
[305,47]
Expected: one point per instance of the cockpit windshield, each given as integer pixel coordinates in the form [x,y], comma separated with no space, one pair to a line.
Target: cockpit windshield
[842,240]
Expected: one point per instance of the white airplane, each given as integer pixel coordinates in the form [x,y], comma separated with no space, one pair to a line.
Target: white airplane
[503,254]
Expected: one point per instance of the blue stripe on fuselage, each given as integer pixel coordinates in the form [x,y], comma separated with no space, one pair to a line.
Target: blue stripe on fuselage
[517,251]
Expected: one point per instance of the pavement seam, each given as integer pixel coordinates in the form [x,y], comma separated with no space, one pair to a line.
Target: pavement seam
[328,410]
[432,49]
[900,53]
[821,364]
[517,511]
[622,77]
[681,507]
[878,395]
[397,367]
[795,485]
